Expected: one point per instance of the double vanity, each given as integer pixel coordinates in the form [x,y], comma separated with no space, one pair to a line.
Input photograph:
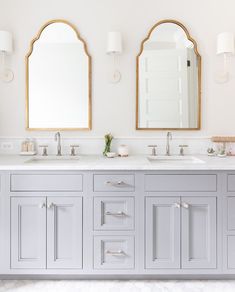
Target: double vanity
[134,217]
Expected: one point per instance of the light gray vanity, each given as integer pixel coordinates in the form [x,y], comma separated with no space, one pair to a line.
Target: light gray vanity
[122,223]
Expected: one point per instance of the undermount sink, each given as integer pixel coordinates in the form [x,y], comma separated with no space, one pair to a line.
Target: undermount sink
[175,159]
[53,159]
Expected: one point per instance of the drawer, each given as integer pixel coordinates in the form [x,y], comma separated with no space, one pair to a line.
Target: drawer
[114,183]
[114,252]
[46,182]
[231,182]
[113,213]
[181,182]
[231,213]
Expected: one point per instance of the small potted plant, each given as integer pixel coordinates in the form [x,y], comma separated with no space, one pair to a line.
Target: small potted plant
[108,140]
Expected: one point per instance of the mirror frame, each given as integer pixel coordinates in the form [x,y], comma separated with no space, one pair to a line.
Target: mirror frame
[199,77]
[89,78]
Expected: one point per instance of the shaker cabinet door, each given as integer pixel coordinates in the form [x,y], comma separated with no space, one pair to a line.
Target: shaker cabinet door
[162,232]
[198,232]
[64,232]
[28,232]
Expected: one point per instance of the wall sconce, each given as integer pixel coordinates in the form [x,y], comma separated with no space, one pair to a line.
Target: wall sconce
[114,49]
[5,49]
[225,46]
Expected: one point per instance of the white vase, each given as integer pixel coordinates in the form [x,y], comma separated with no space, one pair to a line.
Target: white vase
[123,150]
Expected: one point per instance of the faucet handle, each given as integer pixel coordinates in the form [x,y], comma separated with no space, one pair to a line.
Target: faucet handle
[44,149]
[182,148]
[154,151]
[73,151]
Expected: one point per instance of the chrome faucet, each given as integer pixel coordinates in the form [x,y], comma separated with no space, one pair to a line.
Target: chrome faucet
[168,138]
[58,139]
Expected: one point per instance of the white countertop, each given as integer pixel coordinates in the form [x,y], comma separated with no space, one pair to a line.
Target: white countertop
[96,162]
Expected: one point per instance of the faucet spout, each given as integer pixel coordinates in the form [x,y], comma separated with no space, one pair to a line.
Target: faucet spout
[168,138]
[58,139]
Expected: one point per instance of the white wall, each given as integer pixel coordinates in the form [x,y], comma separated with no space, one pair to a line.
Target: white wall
[114,105]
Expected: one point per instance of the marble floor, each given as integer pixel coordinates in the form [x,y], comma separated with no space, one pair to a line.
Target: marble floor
[116,286]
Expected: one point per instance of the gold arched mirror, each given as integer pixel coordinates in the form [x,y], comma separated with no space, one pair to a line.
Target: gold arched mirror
[58,79]
[168,80]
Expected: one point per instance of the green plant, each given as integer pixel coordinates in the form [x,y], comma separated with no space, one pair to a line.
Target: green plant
[108,140]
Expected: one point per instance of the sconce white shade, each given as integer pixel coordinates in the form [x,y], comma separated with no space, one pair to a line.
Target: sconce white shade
[114,44]
[225,43]
[5,41]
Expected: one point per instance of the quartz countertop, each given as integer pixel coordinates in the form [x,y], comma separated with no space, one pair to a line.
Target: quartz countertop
[98,162]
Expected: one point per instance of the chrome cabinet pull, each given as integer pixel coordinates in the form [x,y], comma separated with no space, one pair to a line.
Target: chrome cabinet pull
[114,183]
[177,205]
[42,205]
[115,253]
[120,214]
[51,205]
[185,205]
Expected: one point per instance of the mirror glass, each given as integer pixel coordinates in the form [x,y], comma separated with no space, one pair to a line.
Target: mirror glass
[168,79]
[58,80]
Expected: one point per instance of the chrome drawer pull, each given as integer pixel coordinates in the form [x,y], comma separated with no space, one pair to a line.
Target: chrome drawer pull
[115,253]
[114,183]
[120,182]
[115,214]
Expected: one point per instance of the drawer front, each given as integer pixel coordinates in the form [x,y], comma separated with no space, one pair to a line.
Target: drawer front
[47,182]
[231,182]
[114,183]
[181,182]
[113,213]
[114,252]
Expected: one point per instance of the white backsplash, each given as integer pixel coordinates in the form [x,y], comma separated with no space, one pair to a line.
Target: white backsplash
[95,145]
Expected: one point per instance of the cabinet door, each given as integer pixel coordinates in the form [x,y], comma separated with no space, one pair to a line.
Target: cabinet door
[198,232]
[64,232]
[28,232]
[162,232]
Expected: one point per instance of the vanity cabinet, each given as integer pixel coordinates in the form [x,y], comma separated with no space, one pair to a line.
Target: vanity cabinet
[46,232]
[117,223]
[180,232]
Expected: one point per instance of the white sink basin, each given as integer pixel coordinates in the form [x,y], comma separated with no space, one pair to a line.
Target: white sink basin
[174,159]
[53,159]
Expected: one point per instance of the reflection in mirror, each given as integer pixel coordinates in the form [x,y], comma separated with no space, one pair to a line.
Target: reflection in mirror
[58,80]
[168,79]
